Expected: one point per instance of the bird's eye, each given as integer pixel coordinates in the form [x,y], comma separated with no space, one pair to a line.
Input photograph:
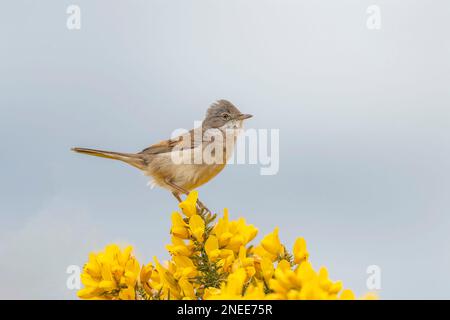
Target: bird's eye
[226,116]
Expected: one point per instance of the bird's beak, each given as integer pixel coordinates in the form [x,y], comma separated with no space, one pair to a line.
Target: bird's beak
[244,116]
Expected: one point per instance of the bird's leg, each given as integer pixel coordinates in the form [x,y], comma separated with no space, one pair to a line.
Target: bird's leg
[202,206]
[177,195]
[186,192]
[178,189]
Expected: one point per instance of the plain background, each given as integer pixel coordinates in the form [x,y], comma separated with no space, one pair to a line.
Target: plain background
[363,118]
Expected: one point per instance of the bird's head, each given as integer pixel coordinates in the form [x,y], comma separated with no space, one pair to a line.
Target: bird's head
[222,114]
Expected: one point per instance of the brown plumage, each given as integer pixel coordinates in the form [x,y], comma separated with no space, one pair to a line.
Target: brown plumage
[157,161]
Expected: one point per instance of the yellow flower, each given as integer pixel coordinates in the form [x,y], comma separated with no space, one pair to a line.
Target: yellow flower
[347,294]
[211,260]
[197,227]
[179,227]
[271,243]
[221,230]
[111,274]
[127,294]
[304,283]
[187,289]
[282,281]
[211,293]
[189,205]
[270,247]
[226,259]
[267,269]
[131,274]
[255,291]
[179,247]
[245,262]
[232,288]
[170,287]
[233,234]
[370,296]
[212,248]
[324,282]
[335,287]
[237,287]
[242,234]
[145,277]
[184,267]
[300,252]
[306,274]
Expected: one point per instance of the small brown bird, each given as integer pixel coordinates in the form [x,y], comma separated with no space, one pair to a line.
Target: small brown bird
[190,160]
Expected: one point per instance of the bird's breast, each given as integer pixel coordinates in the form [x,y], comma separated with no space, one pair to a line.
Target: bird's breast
[191,168]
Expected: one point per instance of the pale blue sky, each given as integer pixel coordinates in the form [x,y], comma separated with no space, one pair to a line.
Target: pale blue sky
[363,115]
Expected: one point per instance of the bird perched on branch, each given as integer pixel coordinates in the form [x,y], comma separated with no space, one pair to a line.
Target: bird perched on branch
[190,160]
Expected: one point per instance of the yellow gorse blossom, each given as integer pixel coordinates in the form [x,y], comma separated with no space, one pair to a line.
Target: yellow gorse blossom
[111,274]
[189,206]
[211,259]
[233,234]
[180,247]
[271,243]
[212,248]
[179,227]
[197,227]
[300,252]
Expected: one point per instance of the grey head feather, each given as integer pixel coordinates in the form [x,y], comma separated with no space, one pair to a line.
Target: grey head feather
[219,113]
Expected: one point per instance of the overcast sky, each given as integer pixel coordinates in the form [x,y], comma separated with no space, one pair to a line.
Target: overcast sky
[363,115]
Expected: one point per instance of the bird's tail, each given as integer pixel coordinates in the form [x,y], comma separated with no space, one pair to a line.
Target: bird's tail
[135,160]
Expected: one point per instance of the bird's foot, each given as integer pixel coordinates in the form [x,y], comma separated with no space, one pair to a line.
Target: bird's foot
[207,215]
[202,207]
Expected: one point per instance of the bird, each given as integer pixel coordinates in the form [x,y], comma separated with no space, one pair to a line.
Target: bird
[187,161]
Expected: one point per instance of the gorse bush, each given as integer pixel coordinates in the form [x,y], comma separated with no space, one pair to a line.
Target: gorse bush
[210,259]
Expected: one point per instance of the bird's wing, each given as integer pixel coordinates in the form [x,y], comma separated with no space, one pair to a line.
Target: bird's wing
[189,140]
